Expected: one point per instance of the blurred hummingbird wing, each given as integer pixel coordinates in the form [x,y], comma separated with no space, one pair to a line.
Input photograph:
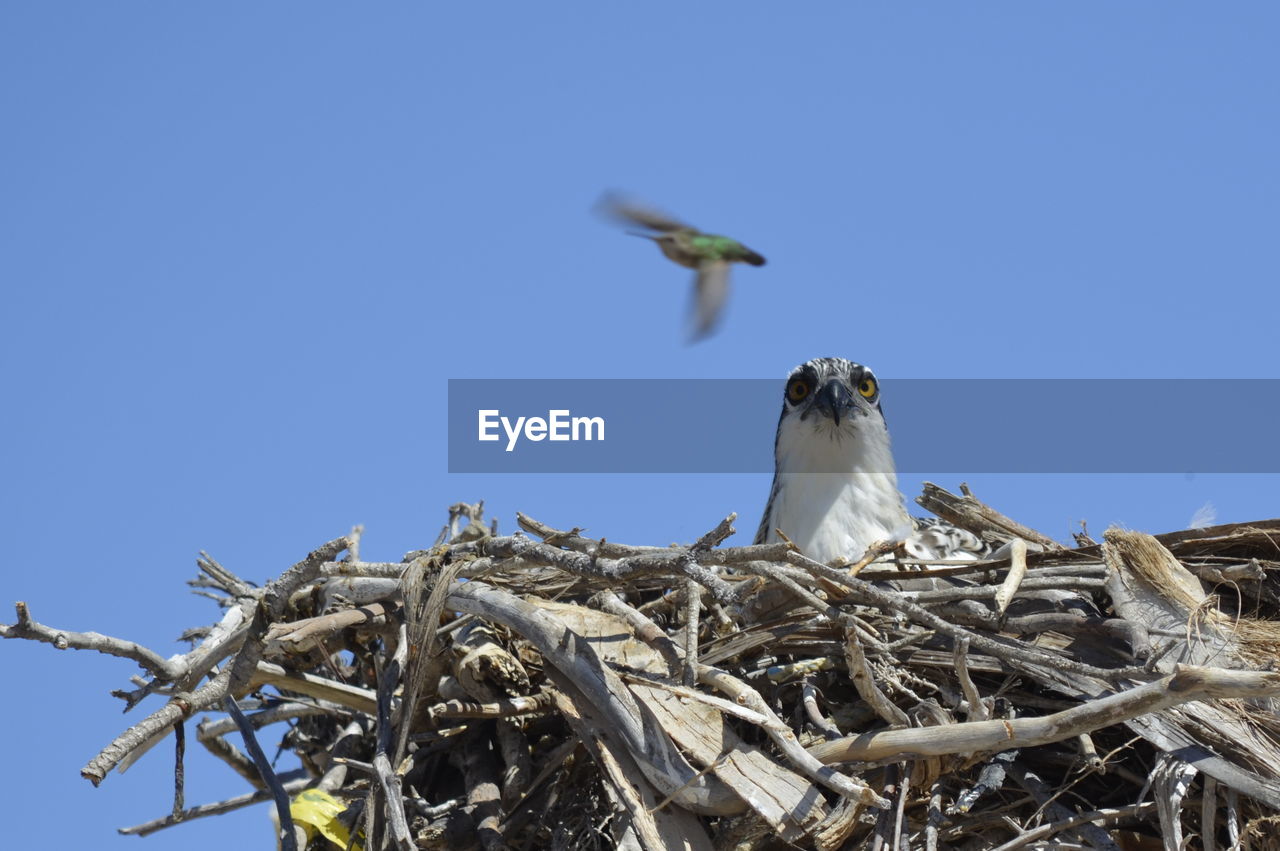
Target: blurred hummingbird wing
[631,212]
[710,292]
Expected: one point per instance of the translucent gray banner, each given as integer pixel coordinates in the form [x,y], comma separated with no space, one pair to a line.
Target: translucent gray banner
[937,425]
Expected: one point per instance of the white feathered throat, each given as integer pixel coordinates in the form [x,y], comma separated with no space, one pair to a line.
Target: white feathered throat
[835,490]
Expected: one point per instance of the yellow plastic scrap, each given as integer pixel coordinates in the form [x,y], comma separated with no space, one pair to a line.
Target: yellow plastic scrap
[317,811]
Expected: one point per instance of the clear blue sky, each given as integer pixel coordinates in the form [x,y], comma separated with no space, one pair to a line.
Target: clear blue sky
[245,245]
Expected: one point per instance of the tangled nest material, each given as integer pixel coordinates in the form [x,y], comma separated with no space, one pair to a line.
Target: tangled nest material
[551,690]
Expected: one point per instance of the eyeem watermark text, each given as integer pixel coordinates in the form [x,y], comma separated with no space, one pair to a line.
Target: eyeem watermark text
[558,425]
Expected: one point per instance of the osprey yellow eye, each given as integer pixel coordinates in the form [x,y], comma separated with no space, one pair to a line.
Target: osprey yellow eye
[798,390]
[867,387]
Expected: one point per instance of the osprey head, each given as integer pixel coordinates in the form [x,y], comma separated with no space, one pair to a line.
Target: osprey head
[834,487]
[831,392]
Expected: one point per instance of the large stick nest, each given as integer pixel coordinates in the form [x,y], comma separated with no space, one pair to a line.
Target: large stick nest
[551,690]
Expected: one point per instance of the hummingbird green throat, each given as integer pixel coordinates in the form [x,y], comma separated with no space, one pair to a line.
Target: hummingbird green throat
[708,253]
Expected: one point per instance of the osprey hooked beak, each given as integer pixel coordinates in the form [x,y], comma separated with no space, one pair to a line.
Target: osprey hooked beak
[835,399]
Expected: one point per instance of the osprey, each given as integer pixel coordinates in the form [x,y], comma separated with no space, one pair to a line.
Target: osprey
[835,491]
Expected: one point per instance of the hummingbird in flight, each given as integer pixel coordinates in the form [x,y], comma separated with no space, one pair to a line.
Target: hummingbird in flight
[709,254]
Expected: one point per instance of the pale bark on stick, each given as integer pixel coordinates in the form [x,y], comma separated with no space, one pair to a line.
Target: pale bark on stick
[64,639]
[1187,683]
[291,785]
[969,513]
[1044,831]
[1017,572]
[356,698]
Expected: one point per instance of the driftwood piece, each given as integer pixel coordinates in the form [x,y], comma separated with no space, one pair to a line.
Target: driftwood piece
[1188,683]
[983,520]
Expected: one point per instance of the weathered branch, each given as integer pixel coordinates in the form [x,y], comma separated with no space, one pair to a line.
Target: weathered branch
[64,639]
[969,513]
[1188,683]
